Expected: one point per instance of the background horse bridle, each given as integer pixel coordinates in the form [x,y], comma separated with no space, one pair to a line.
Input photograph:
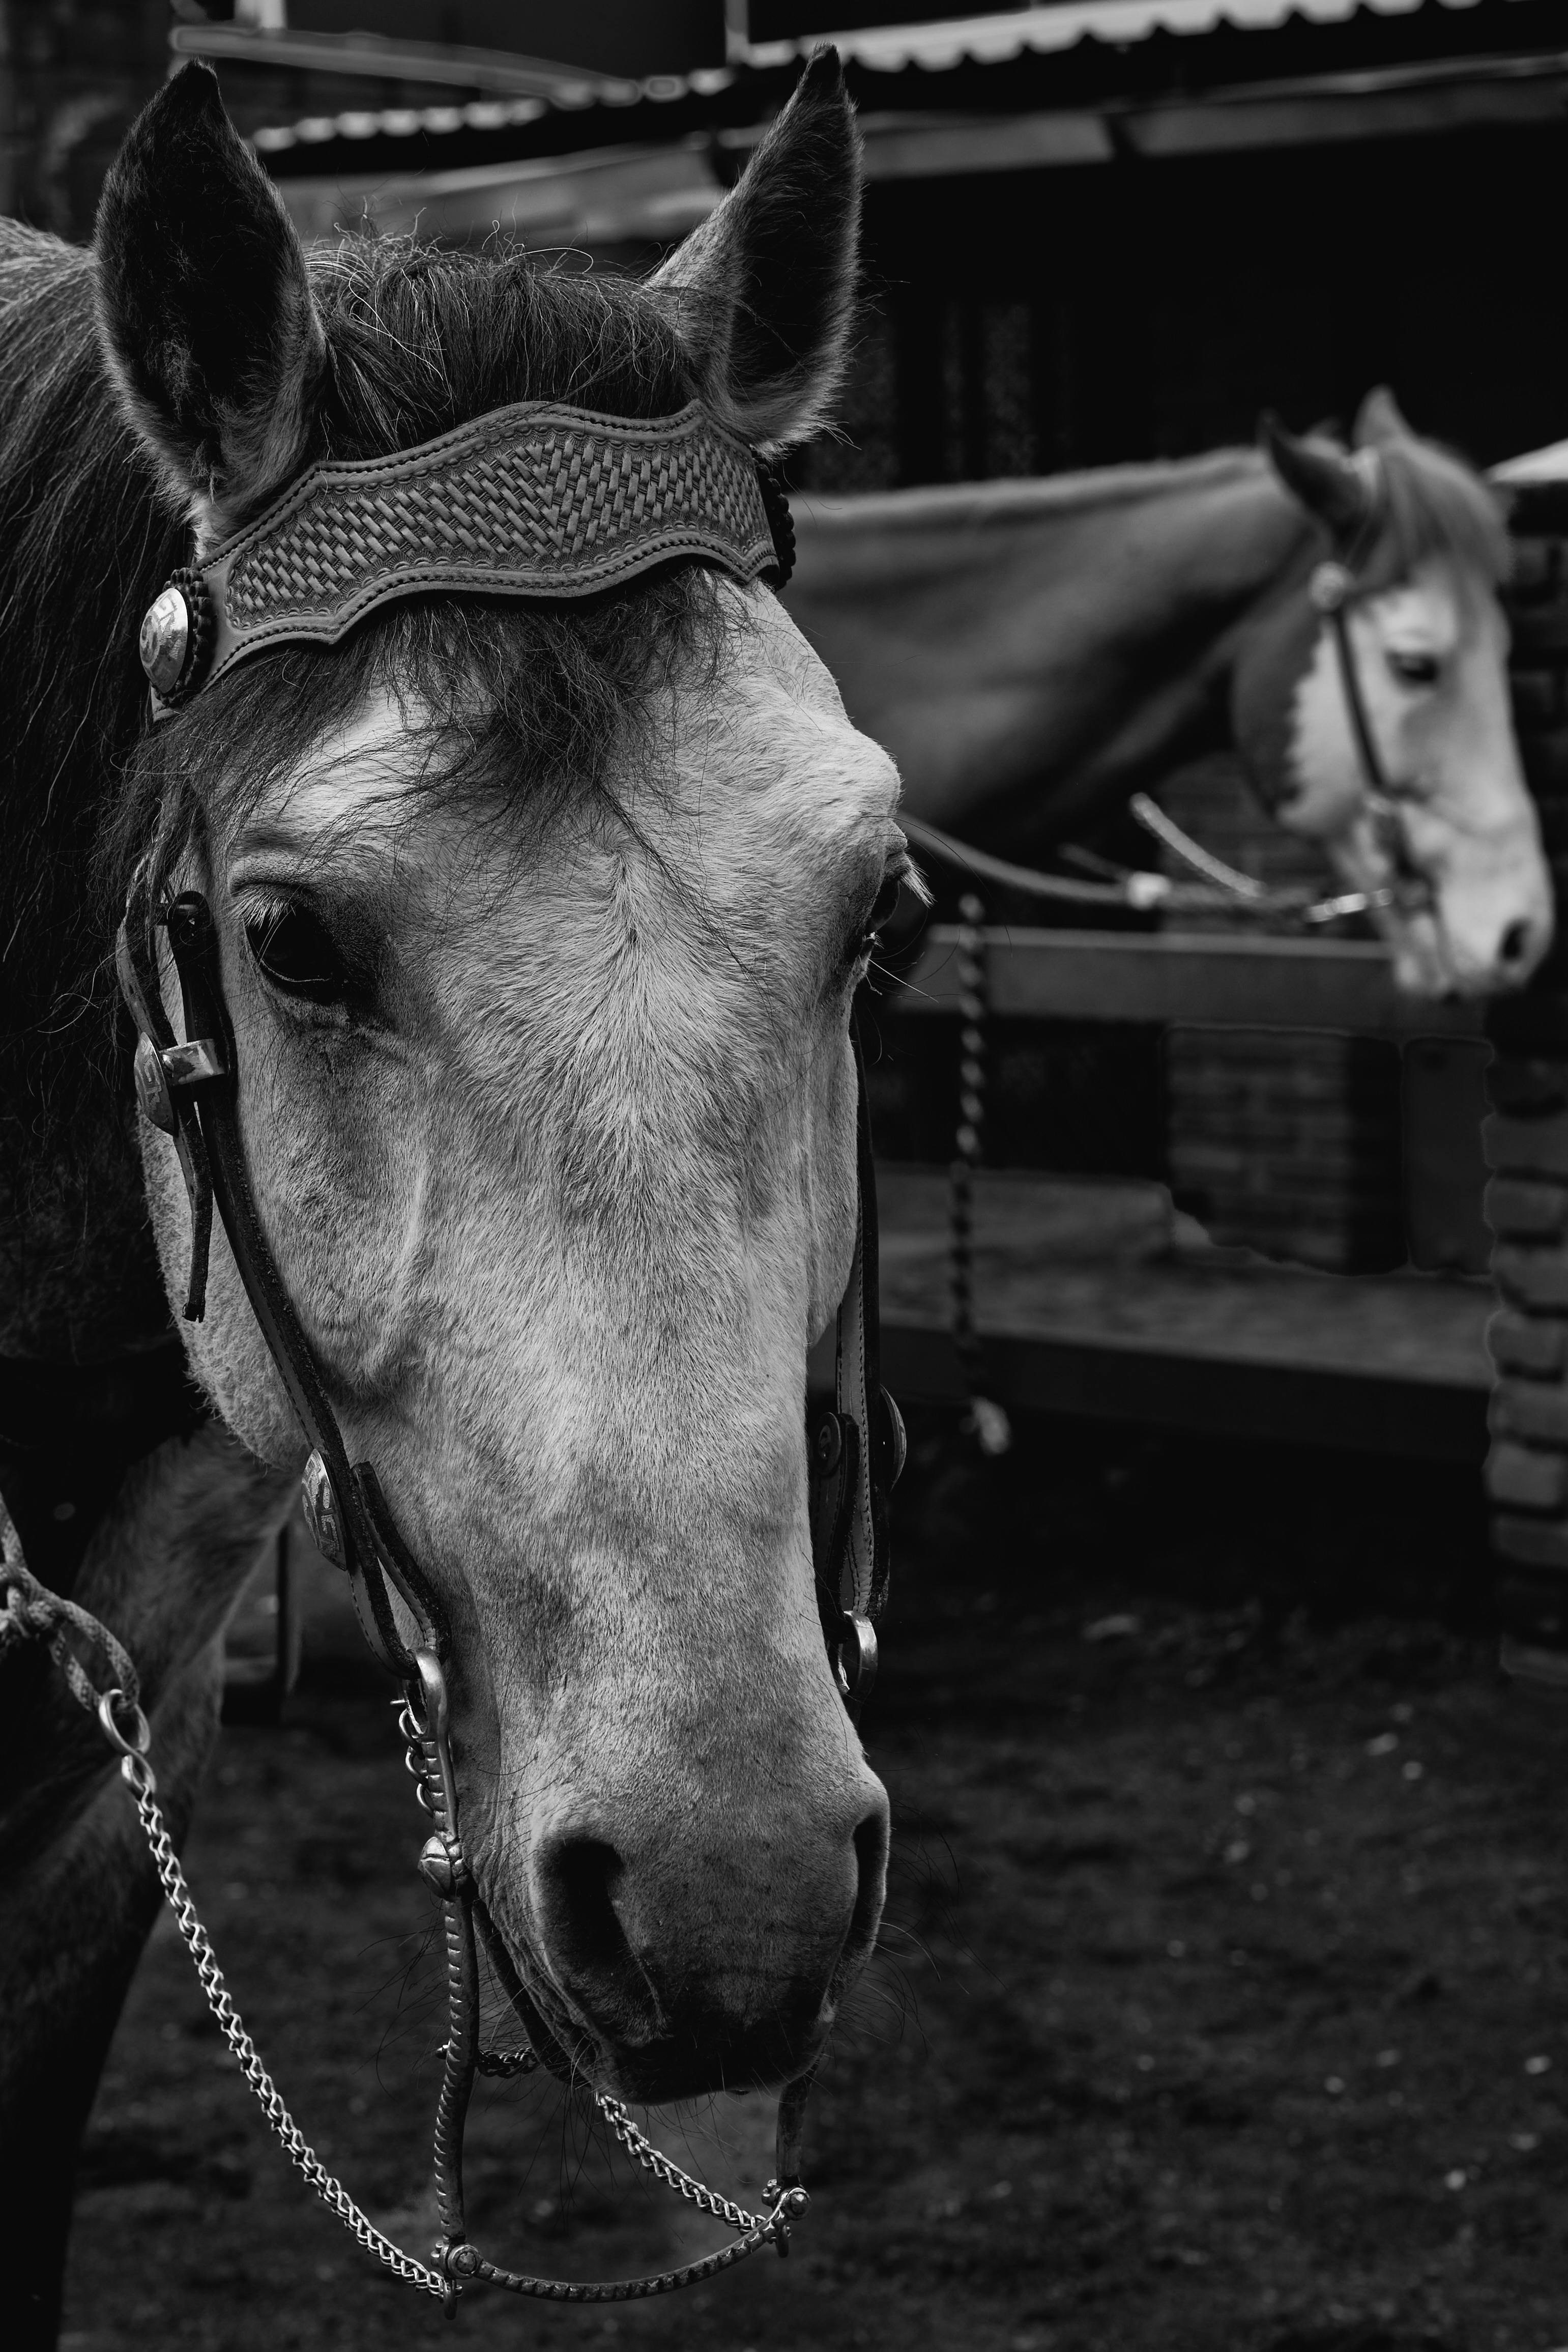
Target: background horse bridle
[1334,588]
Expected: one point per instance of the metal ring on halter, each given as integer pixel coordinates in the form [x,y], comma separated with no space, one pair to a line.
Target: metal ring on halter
[141,1736]
[1330,588]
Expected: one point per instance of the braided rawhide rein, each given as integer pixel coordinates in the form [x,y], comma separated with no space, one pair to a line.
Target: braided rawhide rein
[29,1611]
[535,499]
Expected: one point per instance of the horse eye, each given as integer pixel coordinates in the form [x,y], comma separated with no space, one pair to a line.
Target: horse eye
[1414,669]
[885,902]
[293,952]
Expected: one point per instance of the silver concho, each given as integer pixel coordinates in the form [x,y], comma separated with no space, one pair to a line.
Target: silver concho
[165,640]
[322,1514]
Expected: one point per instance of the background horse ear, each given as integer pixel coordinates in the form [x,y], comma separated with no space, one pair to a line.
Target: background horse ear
[1378,419]
[763,293]
[1329,484]
[204,308]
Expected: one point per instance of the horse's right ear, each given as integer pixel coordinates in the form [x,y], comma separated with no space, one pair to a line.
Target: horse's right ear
[763,293]
[205,307]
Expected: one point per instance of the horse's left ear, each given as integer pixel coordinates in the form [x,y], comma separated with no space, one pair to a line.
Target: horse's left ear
[204,308]
[1378,419]
[763,293]
[1327,483]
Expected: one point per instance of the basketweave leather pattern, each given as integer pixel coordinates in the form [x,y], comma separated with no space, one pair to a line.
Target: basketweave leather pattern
[537,498]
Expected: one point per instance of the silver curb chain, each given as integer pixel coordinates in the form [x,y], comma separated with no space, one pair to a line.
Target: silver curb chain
[30,1612]
[465,2261]
[138,1774]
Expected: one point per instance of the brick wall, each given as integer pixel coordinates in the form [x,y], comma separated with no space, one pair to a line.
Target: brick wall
[1526,1142]
[1287,1142]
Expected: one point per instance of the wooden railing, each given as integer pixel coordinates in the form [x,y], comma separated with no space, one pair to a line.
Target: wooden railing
[1345,985]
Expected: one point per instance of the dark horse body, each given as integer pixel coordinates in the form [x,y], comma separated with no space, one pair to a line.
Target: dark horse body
[561,1188]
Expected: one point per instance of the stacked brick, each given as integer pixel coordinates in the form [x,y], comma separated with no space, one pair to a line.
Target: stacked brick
[1526,1140]
[1287,1142]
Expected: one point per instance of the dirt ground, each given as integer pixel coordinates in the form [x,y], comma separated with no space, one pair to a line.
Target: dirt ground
[1222,1996]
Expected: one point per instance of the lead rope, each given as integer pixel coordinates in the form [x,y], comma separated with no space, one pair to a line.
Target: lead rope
[1223,890]
[30,1612]
[984,1420]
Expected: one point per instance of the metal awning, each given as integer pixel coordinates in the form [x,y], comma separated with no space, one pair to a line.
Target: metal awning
[642,190]
[935,48]
[1018,32]
[490,137]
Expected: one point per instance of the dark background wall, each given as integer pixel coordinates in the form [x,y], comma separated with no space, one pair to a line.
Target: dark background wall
[615,37]
[1022,323]
[72,75]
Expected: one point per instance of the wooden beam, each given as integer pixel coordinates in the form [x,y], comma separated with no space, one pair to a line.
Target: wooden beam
[372,56]
[1198,978]
[1288,1405]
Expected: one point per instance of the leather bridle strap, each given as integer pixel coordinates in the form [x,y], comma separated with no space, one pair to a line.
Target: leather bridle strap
[348,1512]
[856,1449]
[1333,589]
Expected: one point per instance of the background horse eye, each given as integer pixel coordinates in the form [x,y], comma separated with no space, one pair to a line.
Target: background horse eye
[1414,669]
[293,952]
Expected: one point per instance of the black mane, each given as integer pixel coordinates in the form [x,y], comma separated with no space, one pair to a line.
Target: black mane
[82,547]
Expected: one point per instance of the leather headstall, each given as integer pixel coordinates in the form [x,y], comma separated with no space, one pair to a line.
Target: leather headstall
[1335,586]
[536,500]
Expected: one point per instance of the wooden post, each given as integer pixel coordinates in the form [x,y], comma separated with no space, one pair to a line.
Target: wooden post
[1526,1142]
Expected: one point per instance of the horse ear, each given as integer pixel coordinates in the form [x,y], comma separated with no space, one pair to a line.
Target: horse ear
[763,292]
[1378,419]
[1330,485]
[204,308]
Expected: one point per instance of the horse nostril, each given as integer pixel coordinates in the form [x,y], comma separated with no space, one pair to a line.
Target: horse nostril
[586,1937]
[871,1842]
[1515,942]
[584,1870]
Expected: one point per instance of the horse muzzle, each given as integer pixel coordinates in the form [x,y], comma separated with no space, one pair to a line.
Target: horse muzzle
[666,1971]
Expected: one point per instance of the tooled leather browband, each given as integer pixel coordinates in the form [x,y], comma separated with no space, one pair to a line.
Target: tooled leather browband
[537,499]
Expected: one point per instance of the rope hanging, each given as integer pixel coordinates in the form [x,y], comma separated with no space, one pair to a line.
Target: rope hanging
[985,1421]
[1222,890]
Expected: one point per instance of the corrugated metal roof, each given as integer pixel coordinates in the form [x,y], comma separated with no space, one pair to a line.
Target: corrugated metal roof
[934,48]
[1015,32]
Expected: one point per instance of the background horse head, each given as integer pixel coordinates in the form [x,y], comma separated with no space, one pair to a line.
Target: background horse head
[540,928]
[1424,547]
[1034,651]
